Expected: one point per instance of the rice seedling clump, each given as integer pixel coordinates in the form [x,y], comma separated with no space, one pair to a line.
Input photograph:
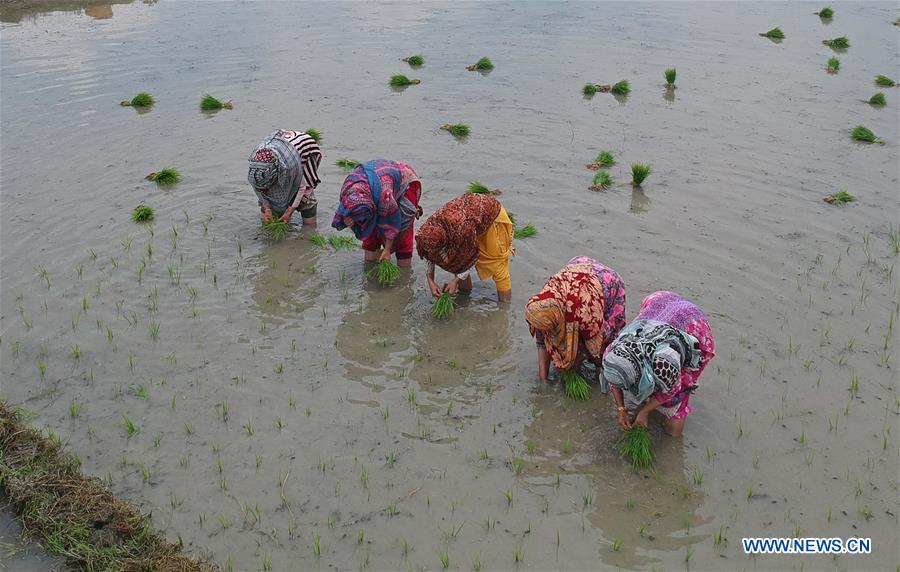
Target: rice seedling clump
[165,177]
[484,64]
[774,34]
[604,160]
[210,103]
[385,272]
[443,307]
[884,81]
[841,197]
[477,188]
[277,228]
[401,80]
[318,240]
[878,99]
[456,129]
[142,213]
[839,43]
[865,135]
[347,164]
[315,134]
[670,77]
[639,172]
[342,242]
[526,231]
[589,89]
[602,180]
[575,385]
[415,60]
[621,87]
[634,446]
[834,65]
[143,99]
[825,13]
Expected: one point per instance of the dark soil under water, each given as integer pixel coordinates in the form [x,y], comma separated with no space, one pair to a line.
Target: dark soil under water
[287,398]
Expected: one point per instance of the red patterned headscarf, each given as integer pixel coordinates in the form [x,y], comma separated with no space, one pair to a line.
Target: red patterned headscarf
[449,238]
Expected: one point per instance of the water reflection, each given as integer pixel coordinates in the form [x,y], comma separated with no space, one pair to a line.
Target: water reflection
[669,94]
[286,283]
[640,203]
[14,12]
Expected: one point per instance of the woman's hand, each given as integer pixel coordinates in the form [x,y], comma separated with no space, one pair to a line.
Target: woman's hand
[641,418]
[435,290]
[385,255]
[452,287]
[286,217]
[622,419]
[267,214]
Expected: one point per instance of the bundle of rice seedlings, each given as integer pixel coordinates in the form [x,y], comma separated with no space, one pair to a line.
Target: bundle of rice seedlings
[834,65]
[415,61]
[512,218]
[342,242]
[589,89]
[841,197]
[318,240]
[825,13]
[347,164]
[443,307]
[602,180]
[878,99]
[634,446]
[142,213]
[526,231]
[315,134]
[670,77]
[456,129]
[385,272]
[210,103]
[639,172]
[277,228]
[774,34]
[604,159]
[165,177]
[884,81]
[839,43]
[620,88]
[484,64]
[401,80]
[864,134]
[575,386]
[480,189]
[143,99]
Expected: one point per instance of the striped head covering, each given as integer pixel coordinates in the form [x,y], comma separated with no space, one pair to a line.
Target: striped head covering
[275,172]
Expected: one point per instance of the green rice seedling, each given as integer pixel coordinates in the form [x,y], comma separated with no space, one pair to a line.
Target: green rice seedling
[318,240]
[878,100]
[575,386]
[145,473]
[317,544]
[142,213]
[165,177]
[603,160]
[347,164]
[415,61]
[277,229]
[443,307]
[517,555]
[210,103]
[315,134]
[341,242]
[688,554]
[518,465]
[526,231]
[621,87]
[476,563]
[143,99]
[670,77]
[634,446]
[834,65]
[865,135]
[142,392]
[567,446]
[825,13]
[129,426]
[884,81]
[400,80]
[602,180]
[616,544]
[697,476]
[477,188]
[42,367]
[841,197]
[444,558]
[458,130]
[629,503]
[74,409]
[482,65]
[587,499]
[43,274]
[839,43]
[773,34]
[385,272]
[589,89]
[639,172]
[75,352]
[153,328]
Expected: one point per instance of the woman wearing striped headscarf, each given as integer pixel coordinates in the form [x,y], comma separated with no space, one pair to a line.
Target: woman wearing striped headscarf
[656,360]
[284,175]
[379,202]
[471,231]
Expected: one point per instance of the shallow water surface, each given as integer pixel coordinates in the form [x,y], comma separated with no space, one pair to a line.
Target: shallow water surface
[294,413]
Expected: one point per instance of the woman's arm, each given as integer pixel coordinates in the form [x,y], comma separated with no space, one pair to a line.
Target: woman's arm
[621,412]
[543,363]
[387,250]
[432,285]
[641,417]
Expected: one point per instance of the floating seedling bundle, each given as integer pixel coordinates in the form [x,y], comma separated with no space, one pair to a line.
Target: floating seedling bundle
[458,130]
[143,99]
[841,197]
[482,65]
[385,272]
[589,89]
[142,213]
[315,134]
[839,43]
[619,88]
[575,385]
[480,189]
[526,231]
[165,177]
[318,240]
[342,242]
[878,99]
[401,80]
[277,228]
[443,307]
[864,135]
[773,34]
[884,81]
[602,180]
[670,77]
[825,13]
[415,61]
[634,446]
[639,172]
[604,160]
[834,65]
[210,103]
[347,164]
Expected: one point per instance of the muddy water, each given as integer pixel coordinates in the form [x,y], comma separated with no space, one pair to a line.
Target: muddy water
[351,414]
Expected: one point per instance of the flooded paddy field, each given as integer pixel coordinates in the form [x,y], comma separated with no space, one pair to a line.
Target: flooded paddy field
[292,414]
